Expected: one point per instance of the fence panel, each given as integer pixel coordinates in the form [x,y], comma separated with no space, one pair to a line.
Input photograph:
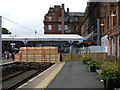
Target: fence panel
[50,54]
[79,56]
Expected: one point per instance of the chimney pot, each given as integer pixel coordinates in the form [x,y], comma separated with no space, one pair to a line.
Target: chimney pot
[67,10]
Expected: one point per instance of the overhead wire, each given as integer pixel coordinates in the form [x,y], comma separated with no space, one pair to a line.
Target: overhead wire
[20,25]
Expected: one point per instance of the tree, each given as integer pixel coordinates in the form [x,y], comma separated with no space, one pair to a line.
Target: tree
[5,31]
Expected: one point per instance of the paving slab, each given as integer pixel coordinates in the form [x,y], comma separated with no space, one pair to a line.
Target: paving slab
[75,75]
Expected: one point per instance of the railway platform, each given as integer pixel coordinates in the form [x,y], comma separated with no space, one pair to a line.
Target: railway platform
[43,79]
[6,61]
[65,75]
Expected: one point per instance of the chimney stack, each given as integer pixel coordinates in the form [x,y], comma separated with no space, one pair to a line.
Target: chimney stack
[62,19]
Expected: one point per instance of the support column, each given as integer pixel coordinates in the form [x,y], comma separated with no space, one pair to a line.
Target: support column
[98,32]
[70,49]
[0,51]
[0,37]
[83,49]
[70,42]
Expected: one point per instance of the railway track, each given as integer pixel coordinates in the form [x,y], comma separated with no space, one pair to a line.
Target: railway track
[14,80]
[12,76]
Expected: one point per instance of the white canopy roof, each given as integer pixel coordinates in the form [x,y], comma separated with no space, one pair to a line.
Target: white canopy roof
[65,36]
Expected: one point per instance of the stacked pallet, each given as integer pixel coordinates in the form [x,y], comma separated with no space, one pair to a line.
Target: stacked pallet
[38,54]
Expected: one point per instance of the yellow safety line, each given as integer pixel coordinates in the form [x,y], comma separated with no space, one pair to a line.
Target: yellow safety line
[53,77]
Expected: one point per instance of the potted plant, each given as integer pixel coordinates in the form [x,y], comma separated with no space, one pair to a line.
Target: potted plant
[110,74]
[99,64]
[86,60]
[92,65]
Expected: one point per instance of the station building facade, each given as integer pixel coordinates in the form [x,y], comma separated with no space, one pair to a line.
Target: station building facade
[59,21]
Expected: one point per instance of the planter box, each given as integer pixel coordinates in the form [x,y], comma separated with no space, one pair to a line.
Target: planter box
[93,68]
[112,83]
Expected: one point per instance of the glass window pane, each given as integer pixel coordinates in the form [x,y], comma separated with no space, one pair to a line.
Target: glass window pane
[49,18]
[59,18]
[66,27]
[59,27]
[49,27]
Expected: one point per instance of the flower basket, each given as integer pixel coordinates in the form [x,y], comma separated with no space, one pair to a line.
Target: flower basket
[111,75]
[92,65]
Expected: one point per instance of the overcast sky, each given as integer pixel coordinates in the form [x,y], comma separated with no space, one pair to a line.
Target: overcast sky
[30,13]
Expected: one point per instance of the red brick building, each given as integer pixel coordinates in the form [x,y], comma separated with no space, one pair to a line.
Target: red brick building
[58,21]
[109,15]
[112,27]
[94,11]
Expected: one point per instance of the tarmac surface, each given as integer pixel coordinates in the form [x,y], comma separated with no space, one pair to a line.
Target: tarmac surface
[75,75]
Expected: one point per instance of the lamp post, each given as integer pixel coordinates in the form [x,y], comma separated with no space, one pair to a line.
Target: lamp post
[70,46]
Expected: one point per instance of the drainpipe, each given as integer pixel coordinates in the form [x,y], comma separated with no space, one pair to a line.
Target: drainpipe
[62,19]
[118,45]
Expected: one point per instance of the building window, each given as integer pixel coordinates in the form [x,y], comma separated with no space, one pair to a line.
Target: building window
[76,27]
[114,18]
[59,18]
[66,19]
[49,18]
[59,27]
[66,27]
[49,27]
